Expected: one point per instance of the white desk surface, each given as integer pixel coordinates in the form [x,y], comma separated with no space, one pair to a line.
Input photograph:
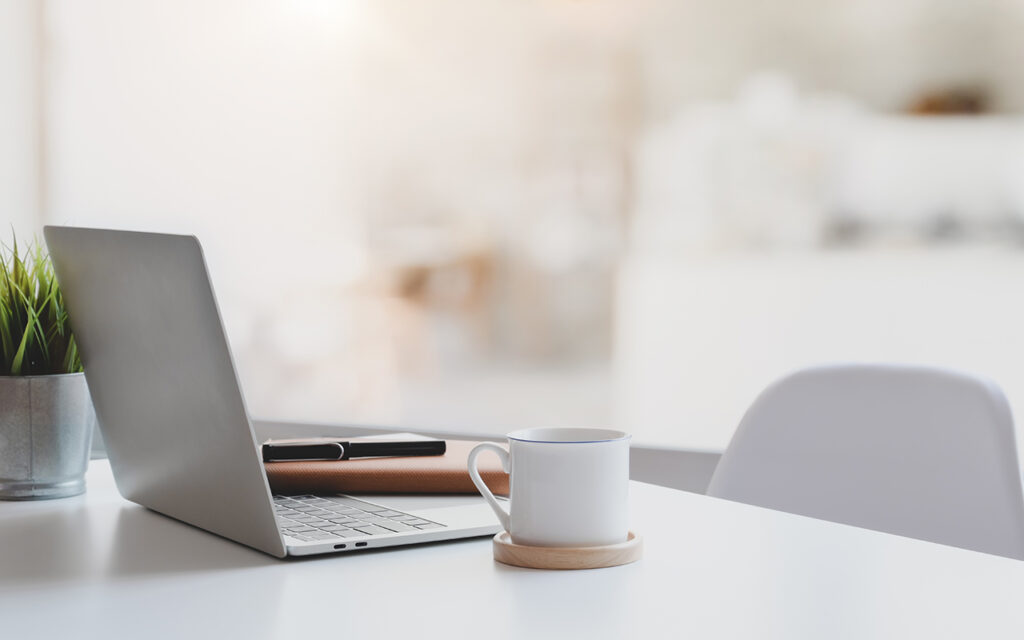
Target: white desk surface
[98,566]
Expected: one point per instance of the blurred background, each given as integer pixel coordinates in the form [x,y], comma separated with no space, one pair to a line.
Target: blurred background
[482,215]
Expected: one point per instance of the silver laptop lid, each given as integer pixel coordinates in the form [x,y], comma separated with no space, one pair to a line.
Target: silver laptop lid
[163,380]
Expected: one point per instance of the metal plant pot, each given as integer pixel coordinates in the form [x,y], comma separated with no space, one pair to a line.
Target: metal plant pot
[46,426]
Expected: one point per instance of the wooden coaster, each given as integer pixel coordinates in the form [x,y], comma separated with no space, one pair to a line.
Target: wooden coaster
[612,555]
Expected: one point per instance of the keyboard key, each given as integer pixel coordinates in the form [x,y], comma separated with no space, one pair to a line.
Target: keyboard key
[343,509]
[300,529]
[372,530]
[321,535]
[381,521]
[359,504]
[430,525]
[349,502]
[397,527]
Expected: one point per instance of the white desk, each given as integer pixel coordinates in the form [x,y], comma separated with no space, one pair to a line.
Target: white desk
[97,566]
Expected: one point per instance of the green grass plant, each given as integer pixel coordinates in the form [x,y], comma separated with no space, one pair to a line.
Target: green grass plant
[35,337]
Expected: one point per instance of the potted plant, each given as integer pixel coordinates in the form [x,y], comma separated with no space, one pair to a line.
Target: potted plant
[46,415]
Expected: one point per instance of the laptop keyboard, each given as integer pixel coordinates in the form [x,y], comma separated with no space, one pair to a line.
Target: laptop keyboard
[309,518]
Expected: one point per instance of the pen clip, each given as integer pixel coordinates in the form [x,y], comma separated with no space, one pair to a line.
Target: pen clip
[298,450]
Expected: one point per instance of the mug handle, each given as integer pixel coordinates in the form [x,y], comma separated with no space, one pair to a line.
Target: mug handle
[474,473]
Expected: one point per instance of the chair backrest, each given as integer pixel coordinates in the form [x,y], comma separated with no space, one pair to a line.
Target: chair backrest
[919,452]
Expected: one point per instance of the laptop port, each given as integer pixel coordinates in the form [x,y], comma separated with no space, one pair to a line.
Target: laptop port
[340,546]
[360,544]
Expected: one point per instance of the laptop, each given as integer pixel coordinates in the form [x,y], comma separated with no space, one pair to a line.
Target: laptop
[172,415]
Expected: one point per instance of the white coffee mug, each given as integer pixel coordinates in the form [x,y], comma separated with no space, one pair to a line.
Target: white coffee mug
[568,487]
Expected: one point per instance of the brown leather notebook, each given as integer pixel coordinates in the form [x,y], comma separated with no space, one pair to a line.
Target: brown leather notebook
[445,473]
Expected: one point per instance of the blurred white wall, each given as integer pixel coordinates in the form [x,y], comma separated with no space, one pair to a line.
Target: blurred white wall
[21,190]
[224,120]
[216,118]
[882,53]
[303,141]
[323,148]
[698,338]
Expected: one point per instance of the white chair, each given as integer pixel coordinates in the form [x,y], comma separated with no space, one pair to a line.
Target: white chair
[918,452]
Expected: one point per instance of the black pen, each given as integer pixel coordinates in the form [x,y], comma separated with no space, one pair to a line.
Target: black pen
[327,449]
